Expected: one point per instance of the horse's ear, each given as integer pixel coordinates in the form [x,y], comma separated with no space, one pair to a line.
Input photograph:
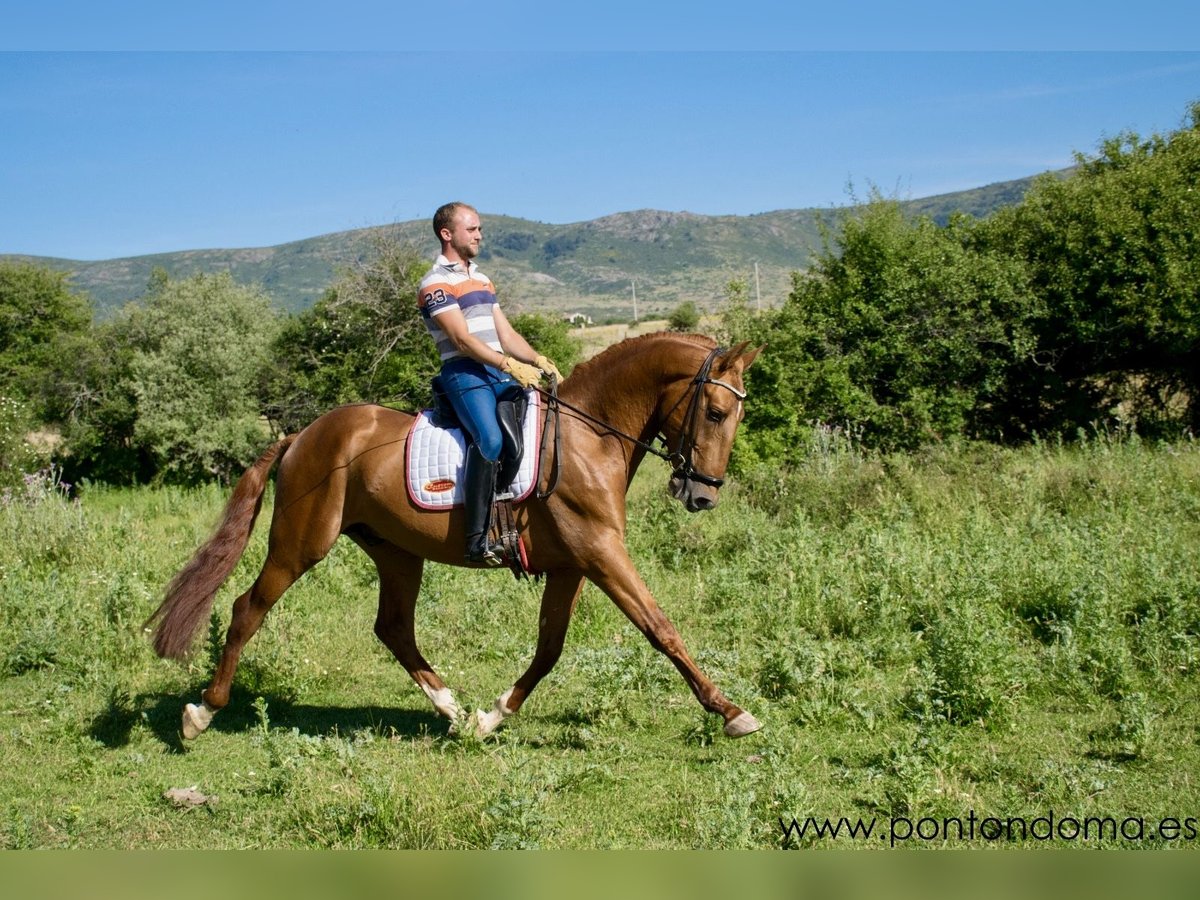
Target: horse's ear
[737,356]
[748,358]
[729,358]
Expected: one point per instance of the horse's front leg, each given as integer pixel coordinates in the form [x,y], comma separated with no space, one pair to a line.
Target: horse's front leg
[558,602]
[618,577]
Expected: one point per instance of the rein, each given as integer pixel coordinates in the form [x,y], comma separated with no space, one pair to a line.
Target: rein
[680,457]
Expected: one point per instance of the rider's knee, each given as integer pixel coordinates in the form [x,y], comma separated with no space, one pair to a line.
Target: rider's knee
[490,446]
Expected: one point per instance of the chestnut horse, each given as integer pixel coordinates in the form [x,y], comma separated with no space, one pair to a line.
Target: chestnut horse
[344,474]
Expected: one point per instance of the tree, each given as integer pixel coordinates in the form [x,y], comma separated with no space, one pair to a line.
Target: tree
[362,341]
[39,318]
[902,330]
[198,348]
[1114,253]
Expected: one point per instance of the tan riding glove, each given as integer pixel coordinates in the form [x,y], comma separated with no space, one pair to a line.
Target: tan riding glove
[548,367]
[525,374]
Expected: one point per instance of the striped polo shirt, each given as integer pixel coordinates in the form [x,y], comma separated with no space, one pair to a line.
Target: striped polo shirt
[448,286]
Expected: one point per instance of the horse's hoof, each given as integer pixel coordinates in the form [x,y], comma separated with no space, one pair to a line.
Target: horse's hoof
[195,720]
[487,722]
[741,725]
[443,701]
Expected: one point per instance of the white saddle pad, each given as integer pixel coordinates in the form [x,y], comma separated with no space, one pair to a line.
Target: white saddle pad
[434,460]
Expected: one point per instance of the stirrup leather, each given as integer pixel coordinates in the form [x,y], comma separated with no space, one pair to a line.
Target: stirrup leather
[504,534]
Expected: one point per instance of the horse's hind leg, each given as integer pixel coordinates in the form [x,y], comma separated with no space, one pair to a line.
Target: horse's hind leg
[558,602]
[249,610]
[395,624]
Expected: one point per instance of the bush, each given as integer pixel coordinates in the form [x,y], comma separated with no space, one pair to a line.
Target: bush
[971,669]
[550,336]
[362,341]
[684,317]
[18,457]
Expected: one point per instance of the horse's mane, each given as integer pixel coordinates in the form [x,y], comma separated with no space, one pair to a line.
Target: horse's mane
[604,359]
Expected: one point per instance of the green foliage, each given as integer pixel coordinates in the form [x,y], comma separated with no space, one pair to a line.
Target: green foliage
[199,349]
[74,378]
[550,336]
[1114,254]
[684,317]
[168,389]
[98,407]
[39,319]
[905,331]
[363,341]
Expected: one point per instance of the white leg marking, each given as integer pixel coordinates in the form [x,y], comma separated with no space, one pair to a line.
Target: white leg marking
[485,723]
[443,701]
[196,719]
[742,725]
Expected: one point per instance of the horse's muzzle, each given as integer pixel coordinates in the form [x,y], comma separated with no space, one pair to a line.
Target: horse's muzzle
[695,496]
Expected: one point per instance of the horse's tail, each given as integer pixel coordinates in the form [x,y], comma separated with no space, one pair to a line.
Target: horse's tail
[190,594]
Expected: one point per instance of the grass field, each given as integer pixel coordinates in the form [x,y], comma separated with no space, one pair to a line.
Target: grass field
[934,639]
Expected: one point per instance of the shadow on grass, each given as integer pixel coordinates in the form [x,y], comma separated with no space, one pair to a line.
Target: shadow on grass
[161,713]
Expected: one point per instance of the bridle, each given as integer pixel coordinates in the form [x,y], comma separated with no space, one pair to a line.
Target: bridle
[680,458]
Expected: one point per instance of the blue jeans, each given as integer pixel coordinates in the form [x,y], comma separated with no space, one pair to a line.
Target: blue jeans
[473,389]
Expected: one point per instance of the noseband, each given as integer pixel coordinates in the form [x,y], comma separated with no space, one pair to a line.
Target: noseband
[681,457]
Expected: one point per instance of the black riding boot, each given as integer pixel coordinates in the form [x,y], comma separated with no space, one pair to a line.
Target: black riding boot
[479,485]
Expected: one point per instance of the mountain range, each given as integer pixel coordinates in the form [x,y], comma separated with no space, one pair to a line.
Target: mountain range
[599,268]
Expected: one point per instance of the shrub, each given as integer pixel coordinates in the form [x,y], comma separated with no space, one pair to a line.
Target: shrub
[362,341]
[18,457]
[684,317]
[971,670]
[550,336]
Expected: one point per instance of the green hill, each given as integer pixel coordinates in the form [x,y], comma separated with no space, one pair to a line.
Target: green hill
[591,267]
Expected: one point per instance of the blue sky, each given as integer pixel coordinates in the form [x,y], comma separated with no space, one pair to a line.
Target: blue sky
[182,133]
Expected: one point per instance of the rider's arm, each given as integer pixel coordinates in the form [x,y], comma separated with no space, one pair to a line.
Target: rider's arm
[514,345]
[454,325]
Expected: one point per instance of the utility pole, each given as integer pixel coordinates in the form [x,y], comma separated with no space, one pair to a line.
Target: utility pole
[633,285]
[757,294]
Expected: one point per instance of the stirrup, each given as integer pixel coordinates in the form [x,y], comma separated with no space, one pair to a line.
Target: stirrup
[486,556]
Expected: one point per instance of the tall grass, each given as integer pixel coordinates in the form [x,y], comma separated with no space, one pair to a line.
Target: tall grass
[1004,632]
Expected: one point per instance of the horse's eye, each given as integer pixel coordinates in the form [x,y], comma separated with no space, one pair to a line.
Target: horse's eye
[715,415]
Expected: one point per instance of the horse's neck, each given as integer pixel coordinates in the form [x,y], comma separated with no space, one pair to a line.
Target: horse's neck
[624,394]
